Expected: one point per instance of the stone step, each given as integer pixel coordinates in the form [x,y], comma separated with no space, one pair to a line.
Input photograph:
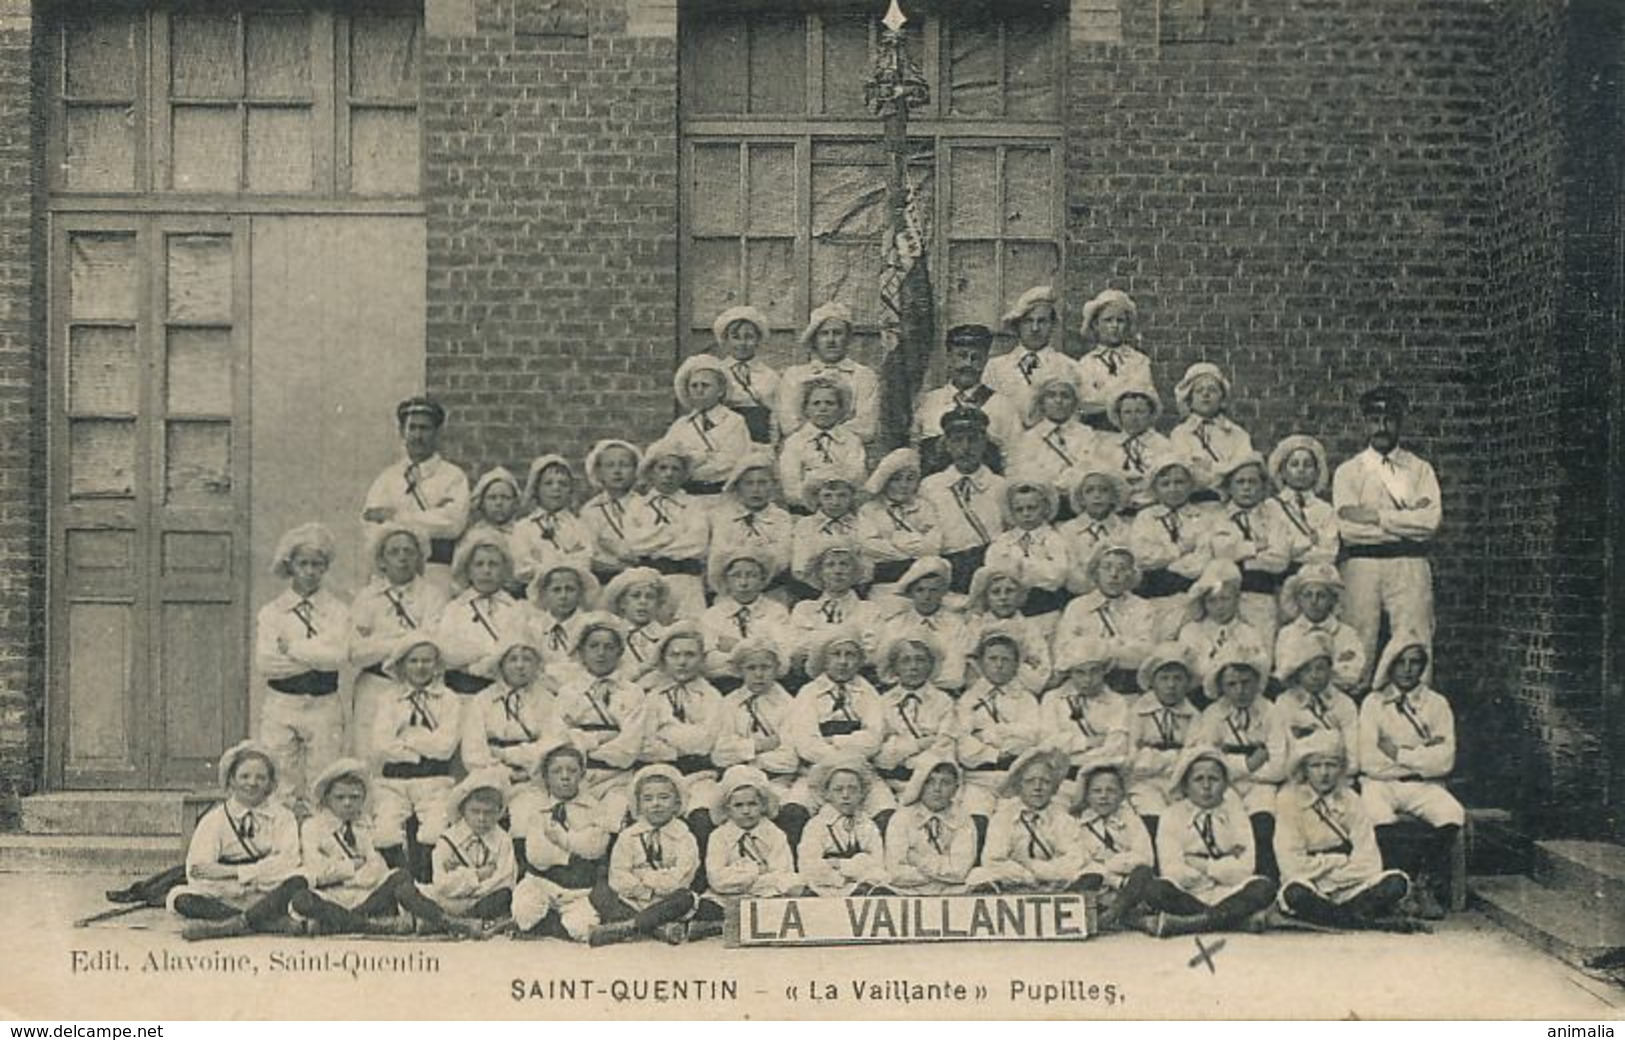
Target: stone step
[131,813]
[88,854]
[1590,870]
[1498,845]
[1551,919]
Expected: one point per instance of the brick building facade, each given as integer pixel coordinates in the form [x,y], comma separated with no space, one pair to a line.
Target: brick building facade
[1317,194]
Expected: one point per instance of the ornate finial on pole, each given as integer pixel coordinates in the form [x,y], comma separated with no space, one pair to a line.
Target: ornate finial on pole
[895,80]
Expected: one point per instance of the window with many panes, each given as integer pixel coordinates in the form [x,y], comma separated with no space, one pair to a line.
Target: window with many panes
[784,172]
[237,99]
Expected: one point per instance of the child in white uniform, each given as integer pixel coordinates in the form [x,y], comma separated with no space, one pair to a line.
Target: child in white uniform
[566,842]
[921,720]
[713,436]
[930,842]
[397,601]
[416,735]
[551,532]
[752,385]
[483,617]
[1033,843]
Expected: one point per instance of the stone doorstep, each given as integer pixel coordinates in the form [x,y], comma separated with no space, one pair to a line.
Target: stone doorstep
[1549,919]
[1588,870]
[88,854]
[129,813]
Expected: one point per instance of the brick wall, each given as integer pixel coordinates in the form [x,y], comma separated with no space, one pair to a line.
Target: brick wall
[22,483]
[1556,298]
[1296,191]
[551,157]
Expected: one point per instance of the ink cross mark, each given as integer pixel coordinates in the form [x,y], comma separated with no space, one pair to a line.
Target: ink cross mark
[1204,955]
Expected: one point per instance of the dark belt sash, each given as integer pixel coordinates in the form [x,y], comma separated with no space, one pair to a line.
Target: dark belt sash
[1045,601]
[1003,763]
[703,487]
[839,727]
[892,570]
[962,565]
[307,684]
[578,874]
[899,774]
[1405,549]
[1163,582]
[1261,581]
[466,683]
[669,567]
[375,669]
[441,550]
[758,420]
[500,742]
[416,770]
[690,764]
[1124,680]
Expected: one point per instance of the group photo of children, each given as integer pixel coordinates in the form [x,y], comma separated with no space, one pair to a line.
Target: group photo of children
[1083,634]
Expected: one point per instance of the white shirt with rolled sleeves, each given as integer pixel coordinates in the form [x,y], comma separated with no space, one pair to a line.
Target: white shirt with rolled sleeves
[1211,443]
[1252,537]
[1422,729]
[264,853]
[670,527]
[383,614]
[1208,640]
[811,618]
[548,844]
[604,516]
[1019,371]
[1086,535]
[970,506]
[1048,452]
[1131,457]
[1326,842]
[769,529]
[1103,371]
[810,451]
[404,735]
[889,532]
[715,440]
[476,625]
[292,638]
[836,853]
[1348,652]
[1210,872]
[1115,845]
[555,638]
[1299,715]
[1042,556]
[511,727]
[751,384]
[649,864]
[1030,849]
[431,495]
[1034,634]
[823,701]
[727,621]
[919,722]
[756,729]
[950,632]
[1232,729]
[813,534]
[685,718]
[1173,539]
[469,866]
[995,723]
[544,540]
[1156,736]
[1309,525]
[930,853]
[606,719]
[1004,420]
[861,378]
[757,862]
[1126,623]
[1091,730]
[344,866]
[642,650]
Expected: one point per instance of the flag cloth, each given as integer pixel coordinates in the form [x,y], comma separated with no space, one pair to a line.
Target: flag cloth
[907,322]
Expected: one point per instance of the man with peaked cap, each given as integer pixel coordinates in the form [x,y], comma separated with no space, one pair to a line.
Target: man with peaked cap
[423,489]
[967,350]
[1388,511]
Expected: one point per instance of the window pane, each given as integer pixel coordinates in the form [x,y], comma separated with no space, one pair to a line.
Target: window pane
[203,56]
[102,276]
[384,156]
[778,64]
[101,56]
[102,373]
[717,75]
[279,149]
[278,48]
[849,272]
[1032,86]
[974,70]
[383,57]
[1029,193]
[973,286]
[101,457]
[714,283]
[846,63]
[199,372]
[848,201]
[772,189]
[974,194]
[100,148]
[208,149]
[197,461]
[200,270]
[1027,264]
[772,279]
[714,194]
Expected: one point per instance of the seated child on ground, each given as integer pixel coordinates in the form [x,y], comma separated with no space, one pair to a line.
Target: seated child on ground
[566,838]
[931,840]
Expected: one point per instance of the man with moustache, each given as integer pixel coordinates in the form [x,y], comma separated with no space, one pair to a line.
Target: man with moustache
[967,353]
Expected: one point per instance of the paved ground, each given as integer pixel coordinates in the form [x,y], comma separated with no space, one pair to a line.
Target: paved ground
[128,970]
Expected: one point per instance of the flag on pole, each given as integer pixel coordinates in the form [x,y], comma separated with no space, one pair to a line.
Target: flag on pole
[907,323]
